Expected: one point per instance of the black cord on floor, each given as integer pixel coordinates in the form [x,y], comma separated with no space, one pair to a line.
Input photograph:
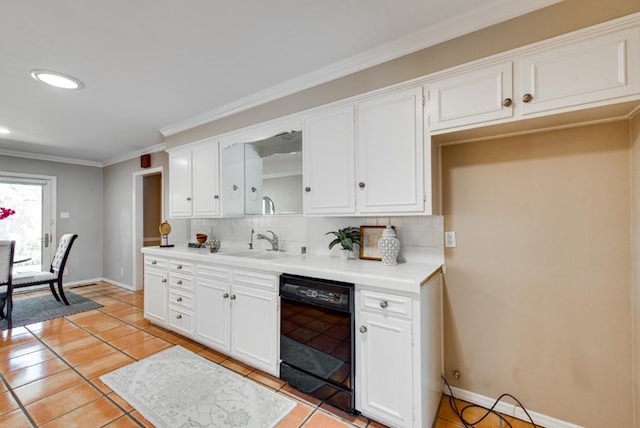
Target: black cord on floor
[467,424]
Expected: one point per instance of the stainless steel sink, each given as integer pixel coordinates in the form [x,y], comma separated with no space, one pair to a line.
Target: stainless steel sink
[255,254]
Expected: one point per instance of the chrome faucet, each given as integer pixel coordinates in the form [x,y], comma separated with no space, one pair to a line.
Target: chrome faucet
[273,241]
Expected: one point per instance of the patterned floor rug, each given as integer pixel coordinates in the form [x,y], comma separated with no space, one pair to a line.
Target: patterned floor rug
[32,310]
[177,388]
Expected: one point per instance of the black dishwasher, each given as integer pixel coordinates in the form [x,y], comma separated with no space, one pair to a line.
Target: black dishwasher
[316,338]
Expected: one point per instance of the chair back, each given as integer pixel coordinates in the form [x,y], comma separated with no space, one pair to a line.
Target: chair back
[62,252]
[7,249]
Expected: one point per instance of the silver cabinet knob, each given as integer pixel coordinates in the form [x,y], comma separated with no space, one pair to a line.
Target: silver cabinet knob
[179,267]
[225,296]
[178,317]
[164,280]
[361,185]
[507,102]
[233,297]
[384,304]
[527,98]
[363,329]
[188,198]
[154,262]
[216,196]
[307,189]
[179,282]
[179,299]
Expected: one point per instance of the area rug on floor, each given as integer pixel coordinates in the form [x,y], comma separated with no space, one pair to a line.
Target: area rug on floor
[177,388]
[31,310]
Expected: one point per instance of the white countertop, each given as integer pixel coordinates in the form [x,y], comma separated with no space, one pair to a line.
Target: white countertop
[405,277]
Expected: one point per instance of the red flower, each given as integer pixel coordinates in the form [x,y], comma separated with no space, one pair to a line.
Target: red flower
[6,212]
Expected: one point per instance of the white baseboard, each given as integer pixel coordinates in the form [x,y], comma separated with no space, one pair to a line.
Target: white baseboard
[119,284]
[510,409]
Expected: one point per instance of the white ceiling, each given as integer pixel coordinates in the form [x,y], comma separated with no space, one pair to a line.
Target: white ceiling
[151,65]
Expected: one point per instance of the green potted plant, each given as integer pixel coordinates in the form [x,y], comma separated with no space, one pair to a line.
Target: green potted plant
[347,237]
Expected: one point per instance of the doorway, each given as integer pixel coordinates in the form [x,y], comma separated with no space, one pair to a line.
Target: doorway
[148,212]
[32,197]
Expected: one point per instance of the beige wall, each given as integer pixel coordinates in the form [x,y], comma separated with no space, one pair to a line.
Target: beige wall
[538,289]
[635,227]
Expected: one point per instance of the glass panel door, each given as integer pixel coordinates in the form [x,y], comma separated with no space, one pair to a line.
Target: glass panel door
[32,224]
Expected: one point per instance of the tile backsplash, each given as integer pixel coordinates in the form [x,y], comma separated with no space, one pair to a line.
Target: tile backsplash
[421,237]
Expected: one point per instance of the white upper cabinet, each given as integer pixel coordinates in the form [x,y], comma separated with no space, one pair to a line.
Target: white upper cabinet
[390,154]
[368,164]
[579,73]
[565,74]
[194,185]
[206,184]
[473,97]
[328,140]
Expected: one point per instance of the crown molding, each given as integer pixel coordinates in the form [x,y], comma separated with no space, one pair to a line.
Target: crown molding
[49,158]
[475,19]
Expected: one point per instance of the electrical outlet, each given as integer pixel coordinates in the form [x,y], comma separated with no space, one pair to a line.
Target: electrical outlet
[450,239]
[121,271]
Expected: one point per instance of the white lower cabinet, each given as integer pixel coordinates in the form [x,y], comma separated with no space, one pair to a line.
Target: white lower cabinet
[155,290]
[399,355]
[237,313]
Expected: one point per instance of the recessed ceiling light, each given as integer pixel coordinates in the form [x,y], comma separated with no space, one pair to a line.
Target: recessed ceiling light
[56,79]
[4,130]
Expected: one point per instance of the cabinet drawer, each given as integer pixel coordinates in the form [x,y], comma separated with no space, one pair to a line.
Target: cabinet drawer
[181,266]
[181,321]
[387,304]
[155,262]
[181,282]
[255,279]
[218,273]
[181,300]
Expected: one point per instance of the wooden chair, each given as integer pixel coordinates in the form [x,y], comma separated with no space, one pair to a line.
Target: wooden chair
[54,275]
[7,249]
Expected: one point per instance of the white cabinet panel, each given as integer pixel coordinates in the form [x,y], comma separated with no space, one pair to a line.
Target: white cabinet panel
[206,184]
[473,97]
[329,161]
[254,327]
[385,369]
[155,296]
[180,183]
[390,153]
[595,69]
[212,314]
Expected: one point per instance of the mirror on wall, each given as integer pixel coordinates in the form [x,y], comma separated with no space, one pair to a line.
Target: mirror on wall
[264,176]
[273,174]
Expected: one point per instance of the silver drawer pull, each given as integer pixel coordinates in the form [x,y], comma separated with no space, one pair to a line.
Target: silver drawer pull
[233,297]
[180,283]
[384,304]
[179,267]
[164,280]
[178,317]
[225,295]
[153,262]
[363,329]
[179,299]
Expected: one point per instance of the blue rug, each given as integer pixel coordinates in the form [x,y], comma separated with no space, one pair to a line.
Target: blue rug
[41,308]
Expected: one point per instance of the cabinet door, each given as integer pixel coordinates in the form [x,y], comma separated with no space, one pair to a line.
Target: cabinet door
[254,327]
[597,69]
[384,369]
[390,154]
[180,183]
[471,97]
[329,162]
[155,296]
[212,314]
[206,183]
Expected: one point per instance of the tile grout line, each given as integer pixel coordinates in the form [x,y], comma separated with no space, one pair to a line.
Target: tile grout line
[18,401]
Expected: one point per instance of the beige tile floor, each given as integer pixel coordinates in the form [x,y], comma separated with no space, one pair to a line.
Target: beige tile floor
[49,371]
